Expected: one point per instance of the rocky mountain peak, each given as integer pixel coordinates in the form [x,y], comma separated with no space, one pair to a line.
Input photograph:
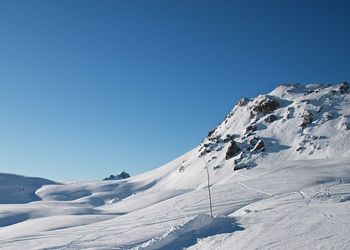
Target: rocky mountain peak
[294,121]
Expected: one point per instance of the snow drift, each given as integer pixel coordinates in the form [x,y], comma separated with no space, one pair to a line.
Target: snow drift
[189,233]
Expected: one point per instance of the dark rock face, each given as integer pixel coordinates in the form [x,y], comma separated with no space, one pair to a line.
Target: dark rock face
[319,109]
[243,102]
[290,112]
[211,132]
[208,147]
[333,92]
[266,105]
[270,118]
[328,116]
[346,126]
[214,138]
[120,176]
[344,87]
[181,169]
[232,150]
[214,142]
[251,128]
[238,167]
[229,138]
[307,119]
[305,101]
[260,145]
[216,167]
[111,177]
[310,91]
[253,141]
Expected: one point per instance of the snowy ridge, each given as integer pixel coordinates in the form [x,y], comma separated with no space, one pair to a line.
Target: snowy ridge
[280,128]
[280,173]
[17,189]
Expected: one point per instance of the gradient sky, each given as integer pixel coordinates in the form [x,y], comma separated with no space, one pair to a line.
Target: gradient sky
[91,88]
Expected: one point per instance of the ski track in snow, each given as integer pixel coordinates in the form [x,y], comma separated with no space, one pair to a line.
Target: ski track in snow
[254,189]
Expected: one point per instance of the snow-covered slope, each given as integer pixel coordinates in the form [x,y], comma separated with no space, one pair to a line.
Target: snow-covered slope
[20,189]
[279,165]
[293,122]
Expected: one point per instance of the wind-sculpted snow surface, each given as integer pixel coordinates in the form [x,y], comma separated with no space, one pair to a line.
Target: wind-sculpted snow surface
[188,234]
[279,167]
[16,189]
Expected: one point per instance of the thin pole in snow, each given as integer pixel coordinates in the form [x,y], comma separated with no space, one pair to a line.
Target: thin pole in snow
[210,203]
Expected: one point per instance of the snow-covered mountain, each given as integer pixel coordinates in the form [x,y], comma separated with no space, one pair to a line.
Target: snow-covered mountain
[293,122]
[279,167]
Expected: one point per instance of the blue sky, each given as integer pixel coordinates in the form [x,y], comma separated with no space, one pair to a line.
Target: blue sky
[91,88]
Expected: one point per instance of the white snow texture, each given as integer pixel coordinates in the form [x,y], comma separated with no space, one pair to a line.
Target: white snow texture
[279,167]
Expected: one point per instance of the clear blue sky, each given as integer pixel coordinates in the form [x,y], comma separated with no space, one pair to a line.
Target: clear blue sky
[91,88]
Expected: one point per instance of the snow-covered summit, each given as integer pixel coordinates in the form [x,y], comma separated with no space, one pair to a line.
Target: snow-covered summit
[293,122]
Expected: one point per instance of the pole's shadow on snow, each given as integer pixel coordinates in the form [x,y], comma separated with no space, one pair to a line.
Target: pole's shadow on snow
[188,234]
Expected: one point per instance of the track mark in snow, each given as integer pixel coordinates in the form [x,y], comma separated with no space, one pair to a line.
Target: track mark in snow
[224,239]
[72,244]
[183,216]
[305,196]
[331,218]
[254,189]
[242,175]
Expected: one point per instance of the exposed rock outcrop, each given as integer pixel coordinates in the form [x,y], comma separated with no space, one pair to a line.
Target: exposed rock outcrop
[229,138]
[345,126]
[289,113]
[260,146]
[232,150]
[265,104]
[251,128]
[344,88]
[120,176]
[307,119]
[327,116]
[243,102]
[271,118]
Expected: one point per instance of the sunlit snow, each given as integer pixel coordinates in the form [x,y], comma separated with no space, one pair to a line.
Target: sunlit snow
[291,192]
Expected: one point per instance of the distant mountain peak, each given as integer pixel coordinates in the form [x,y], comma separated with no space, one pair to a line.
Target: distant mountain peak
[120,176]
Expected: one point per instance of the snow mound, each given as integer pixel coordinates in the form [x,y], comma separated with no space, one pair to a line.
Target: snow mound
[189,233]
[16,189]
